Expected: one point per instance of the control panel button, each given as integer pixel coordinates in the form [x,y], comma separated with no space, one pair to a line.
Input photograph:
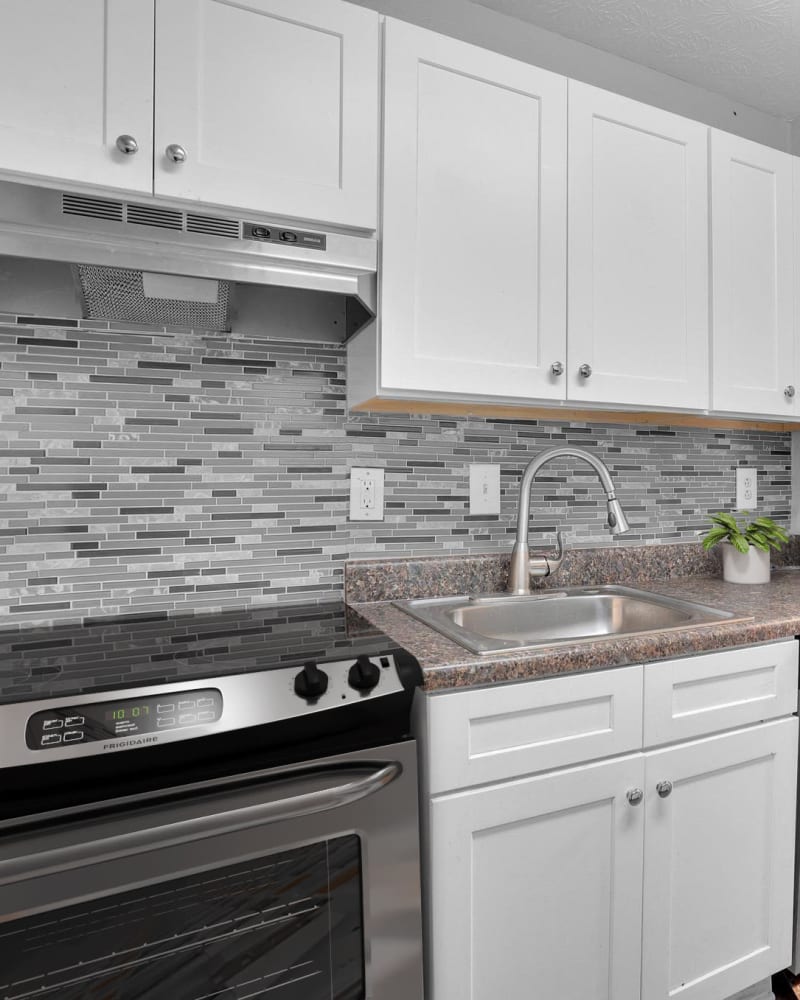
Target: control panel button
[311,682]
[187,718]
[166,709]
[52,724]
[287,236]
[205,716]
[205,702]
[166,721]
[74,720]
[73,735]
[364,674]
[50,739]
[184,706]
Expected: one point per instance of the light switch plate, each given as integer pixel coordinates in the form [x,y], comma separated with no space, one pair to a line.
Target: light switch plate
[484,489]
[746,487]
[366,494]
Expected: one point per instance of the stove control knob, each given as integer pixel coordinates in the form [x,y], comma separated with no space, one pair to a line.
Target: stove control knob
[311,682]
[364,674]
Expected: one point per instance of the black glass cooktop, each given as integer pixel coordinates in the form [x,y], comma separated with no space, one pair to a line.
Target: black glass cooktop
[109,653]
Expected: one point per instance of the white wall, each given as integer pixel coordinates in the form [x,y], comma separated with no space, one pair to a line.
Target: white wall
[524,41]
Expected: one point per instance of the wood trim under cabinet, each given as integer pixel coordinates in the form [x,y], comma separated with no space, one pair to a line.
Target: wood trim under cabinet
[505,411]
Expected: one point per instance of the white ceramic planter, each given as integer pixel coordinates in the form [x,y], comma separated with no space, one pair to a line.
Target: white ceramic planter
[745,567]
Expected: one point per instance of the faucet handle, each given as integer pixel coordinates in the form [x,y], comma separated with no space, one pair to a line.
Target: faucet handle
[554,561]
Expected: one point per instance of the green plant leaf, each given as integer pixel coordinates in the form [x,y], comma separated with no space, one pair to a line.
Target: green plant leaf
[714,537]
[740,542]
[726,520]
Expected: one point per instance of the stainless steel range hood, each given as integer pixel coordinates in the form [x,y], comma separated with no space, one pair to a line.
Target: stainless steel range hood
[112,235]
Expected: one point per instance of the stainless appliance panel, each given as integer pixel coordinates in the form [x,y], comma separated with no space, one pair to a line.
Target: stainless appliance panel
[137,842]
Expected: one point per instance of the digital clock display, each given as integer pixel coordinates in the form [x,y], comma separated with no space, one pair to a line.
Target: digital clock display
[130,717]
[134,712]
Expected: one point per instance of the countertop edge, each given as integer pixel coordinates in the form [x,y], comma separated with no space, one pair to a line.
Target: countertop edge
[447,666]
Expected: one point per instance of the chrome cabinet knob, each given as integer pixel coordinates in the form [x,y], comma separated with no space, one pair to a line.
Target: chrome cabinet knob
[664,789]
[585,371]
[127,144]
[556,368]
[175,153]
[789,391]
[635,796]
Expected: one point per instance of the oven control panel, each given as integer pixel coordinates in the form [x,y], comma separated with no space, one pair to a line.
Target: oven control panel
[123,718]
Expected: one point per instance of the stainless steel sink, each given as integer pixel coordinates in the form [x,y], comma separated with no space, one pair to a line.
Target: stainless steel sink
[496,622]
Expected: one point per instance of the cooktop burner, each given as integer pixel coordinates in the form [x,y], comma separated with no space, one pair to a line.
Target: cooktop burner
[106,653]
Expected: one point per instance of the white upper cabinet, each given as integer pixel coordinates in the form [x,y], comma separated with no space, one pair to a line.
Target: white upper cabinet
[754,357]
[269,105]
[74,77]
[638,253]
[474,221]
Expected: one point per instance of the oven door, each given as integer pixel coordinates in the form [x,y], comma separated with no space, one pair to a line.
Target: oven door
[298,883]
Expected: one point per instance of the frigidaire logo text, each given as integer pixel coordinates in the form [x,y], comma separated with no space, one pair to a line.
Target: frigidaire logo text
[139,741]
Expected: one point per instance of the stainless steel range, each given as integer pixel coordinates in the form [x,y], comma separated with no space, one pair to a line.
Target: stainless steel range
[246,833]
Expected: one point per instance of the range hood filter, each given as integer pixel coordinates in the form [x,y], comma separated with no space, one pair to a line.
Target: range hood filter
[118,293]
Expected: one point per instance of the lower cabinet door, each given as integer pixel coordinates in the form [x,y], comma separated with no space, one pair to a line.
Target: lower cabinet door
[535,887]
[719,862]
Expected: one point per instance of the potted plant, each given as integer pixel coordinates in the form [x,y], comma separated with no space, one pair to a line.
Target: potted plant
[745,548]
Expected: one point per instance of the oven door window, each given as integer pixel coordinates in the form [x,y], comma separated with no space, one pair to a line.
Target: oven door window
[288,926]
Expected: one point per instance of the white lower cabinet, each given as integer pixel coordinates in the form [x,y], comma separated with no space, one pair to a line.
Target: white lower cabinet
[536,888]
[658,873]
[718,870]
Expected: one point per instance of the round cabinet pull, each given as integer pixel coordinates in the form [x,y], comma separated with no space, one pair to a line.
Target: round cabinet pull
[789,391]
[585,371]
[664,788]
[556,368]
[175,153]
[127,144]
[635,796]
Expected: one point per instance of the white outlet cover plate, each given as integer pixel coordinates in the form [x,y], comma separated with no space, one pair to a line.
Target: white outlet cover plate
[484,489]
[746,488]
[366,494]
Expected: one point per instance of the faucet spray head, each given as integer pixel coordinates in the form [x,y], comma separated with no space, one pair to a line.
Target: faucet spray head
[617,521]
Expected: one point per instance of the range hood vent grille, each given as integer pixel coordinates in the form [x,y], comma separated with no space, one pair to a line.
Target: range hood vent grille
[211,226]
[92,208]
[150,215]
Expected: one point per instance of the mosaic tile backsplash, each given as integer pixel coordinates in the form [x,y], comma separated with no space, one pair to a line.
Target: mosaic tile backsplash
[184,472]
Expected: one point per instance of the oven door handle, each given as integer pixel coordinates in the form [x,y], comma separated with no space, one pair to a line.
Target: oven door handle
[29,865]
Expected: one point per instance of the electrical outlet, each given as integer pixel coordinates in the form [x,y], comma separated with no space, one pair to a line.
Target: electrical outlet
[366,494]
[484,489]
[746,488]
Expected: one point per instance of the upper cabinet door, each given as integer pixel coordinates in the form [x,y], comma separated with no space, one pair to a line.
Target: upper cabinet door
[638,253]
[73,78]
[474,221]
[270,106]
[754,359]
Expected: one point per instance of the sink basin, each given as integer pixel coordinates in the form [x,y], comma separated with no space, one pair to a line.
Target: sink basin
[497,622]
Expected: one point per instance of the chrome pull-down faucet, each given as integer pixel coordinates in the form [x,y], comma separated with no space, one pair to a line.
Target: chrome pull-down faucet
[523,566]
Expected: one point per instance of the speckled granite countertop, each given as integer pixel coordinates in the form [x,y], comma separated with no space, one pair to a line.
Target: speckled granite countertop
[774,607]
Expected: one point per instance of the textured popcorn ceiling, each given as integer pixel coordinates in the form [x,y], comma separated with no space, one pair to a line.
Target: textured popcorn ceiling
[748,50]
